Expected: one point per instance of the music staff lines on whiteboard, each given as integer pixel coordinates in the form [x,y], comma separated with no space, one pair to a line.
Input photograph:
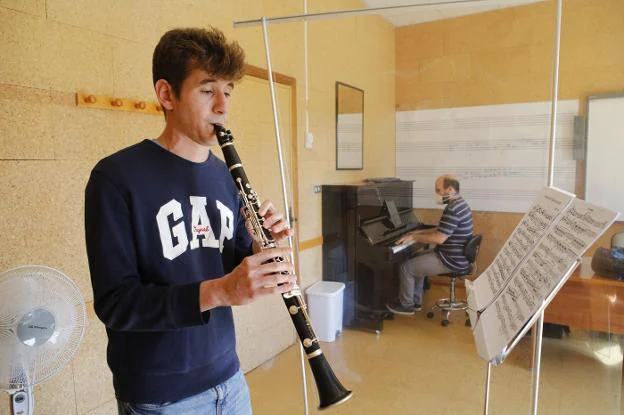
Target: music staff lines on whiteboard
[349,146]
[349,128]
[487,148]
[499,194]
[483,122]
[467,172]
[494,144]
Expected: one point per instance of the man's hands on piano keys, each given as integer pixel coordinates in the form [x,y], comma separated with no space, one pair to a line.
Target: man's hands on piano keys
[423,236]
[410,237]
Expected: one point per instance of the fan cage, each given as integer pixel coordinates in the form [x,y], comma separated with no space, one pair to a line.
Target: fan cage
[23,290]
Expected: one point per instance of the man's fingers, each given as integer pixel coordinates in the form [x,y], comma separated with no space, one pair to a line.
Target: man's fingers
[276,290]
[283,234]
[273,267]
[264,256]
[275,219]
[266,206]
[273,280]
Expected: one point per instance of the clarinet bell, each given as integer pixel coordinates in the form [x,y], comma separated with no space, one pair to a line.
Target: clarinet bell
[330,390]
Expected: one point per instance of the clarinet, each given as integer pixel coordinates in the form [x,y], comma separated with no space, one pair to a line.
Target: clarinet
[330,390]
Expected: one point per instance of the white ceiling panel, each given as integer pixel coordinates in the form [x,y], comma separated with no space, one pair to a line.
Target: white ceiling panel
[405,19]
[436,9]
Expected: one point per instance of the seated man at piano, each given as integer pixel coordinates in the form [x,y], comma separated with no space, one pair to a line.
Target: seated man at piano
[451,235]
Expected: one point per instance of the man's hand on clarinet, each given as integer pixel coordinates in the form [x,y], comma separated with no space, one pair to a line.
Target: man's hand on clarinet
[256,276]
[274,221]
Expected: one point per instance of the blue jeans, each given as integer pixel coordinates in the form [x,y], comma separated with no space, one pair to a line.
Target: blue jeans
[229,398]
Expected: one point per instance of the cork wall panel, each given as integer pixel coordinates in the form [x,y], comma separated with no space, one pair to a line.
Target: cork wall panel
[507,55]
[441,69]
[286,48]
[23,55]
[90,67]
[132,69]
[136,21]
[93,380]
[42,211]
[85,134]
[592,17]
[34,7]
[331,45]
[489,32]
[176,14]
[25,123]
[107,408]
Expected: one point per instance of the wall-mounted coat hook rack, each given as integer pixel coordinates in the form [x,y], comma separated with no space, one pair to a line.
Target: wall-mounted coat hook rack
[116,103]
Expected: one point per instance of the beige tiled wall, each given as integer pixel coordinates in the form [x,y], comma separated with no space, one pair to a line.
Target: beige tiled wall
[54,48]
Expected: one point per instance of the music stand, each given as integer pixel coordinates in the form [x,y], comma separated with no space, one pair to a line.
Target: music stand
[499,359]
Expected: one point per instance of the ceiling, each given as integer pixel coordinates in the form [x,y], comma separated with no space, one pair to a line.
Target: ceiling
[436,11]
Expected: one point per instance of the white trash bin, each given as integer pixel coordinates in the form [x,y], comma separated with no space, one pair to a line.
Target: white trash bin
[325,309]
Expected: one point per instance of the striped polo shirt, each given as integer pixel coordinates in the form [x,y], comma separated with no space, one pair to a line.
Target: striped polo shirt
[456,222]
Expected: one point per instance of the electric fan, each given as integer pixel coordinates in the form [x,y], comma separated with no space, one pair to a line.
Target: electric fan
[42,322]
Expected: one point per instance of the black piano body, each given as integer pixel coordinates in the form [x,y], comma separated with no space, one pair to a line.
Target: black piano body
[360,226]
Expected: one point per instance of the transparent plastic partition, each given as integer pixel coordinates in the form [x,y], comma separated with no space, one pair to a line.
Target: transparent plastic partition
[458,88]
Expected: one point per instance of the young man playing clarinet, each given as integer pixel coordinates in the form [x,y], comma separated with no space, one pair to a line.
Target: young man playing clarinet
[168,249]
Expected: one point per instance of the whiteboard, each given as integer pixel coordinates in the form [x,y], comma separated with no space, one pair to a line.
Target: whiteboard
[499,153]
[604,180]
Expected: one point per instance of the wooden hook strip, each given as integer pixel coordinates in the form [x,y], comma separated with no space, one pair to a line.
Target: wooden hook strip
[116,103]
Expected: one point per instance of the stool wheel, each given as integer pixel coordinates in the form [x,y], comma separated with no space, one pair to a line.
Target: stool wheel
[445,322]
[430,315]
[467,322]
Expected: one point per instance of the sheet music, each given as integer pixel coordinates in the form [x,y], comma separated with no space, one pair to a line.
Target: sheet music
[554,257]
[549,204]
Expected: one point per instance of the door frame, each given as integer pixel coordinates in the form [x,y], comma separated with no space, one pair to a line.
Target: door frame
[261,73]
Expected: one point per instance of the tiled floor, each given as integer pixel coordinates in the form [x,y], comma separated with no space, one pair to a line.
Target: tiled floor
[416,366]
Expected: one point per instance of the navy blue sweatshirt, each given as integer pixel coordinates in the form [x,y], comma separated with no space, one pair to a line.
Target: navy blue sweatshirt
[156,226]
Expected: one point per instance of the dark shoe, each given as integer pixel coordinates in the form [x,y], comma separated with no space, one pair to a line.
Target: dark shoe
[397,308]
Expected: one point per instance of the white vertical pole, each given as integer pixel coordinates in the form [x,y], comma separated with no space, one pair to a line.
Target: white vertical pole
[539,325]
[281,163]
[486,403]
[305,71]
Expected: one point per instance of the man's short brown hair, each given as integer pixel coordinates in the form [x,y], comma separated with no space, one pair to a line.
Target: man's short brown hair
[179,51]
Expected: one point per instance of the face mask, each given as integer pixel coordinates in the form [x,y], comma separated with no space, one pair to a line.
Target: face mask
[442,200]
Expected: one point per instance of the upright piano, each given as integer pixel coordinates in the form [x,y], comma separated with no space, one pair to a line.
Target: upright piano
[361,224]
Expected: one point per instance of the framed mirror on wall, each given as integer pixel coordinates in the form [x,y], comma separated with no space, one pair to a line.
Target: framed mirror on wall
[349,127]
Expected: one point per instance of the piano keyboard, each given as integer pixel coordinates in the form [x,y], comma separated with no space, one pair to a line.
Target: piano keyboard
[398,248]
